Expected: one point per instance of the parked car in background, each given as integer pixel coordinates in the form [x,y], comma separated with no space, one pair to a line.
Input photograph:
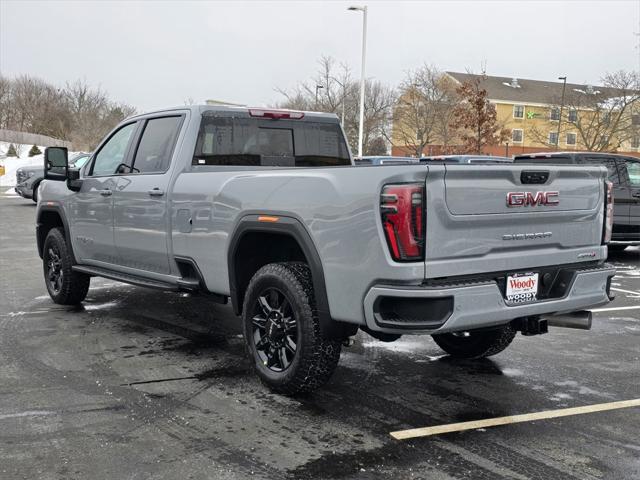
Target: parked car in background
[384,160]
[28,178]
[624,173]
[477,159]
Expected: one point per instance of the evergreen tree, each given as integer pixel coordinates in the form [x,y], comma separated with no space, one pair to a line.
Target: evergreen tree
[34,151]
[12,151]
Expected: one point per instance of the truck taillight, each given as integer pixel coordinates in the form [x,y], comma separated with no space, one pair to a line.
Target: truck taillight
[402,210]
[608,212]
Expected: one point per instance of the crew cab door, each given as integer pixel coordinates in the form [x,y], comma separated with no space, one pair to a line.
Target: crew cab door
[630,176]
[620,191]
[91,209]
[141,216]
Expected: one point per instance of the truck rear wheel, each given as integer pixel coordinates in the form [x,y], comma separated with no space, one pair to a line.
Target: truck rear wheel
[476,344]
[65,286]
[282,330]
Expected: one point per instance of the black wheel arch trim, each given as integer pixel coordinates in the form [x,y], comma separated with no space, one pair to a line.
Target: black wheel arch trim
[294,228]
[65,224]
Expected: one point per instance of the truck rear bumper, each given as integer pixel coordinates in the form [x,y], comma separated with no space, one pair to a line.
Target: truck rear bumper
[469,305]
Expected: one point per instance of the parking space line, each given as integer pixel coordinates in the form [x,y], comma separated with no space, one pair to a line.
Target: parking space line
[625,291]
[527,417]
[613,309]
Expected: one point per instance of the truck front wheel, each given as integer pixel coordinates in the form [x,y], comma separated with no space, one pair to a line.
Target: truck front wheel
[65,286]
[476,344]
[282,330]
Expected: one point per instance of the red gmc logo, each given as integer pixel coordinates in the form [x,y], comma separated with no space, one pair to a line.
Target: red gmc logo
[524,199]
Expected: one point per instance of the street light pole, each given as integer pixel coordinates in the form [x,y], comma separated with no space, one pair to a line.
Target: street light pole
[564,85]
[362,9]
[318,87]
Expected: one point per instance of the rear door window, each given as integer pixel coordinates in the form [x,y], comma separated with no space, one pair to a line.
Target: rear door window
[158,140]
[259,142]
[633,173]
[608,162]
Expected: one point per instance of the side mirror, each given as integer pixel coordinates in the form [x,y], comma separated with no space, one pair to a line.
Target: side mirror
[56,163]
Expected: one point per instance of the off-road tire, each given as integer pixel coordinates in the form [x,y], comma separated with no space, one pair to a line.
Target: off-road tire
[479,344]
[315,358]
[73,286]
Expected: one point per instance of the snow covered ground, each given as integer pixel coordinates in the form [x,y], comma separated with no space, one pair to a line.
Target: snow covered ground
[11,164]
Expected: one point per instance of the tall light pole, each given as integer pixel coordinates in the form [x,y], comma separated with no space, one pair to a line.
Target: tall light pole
[362,9]
[318,87]
[564,85]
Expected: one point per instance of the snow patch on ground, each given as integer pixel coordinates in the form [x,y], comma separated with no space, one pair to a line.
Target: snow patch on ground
[11,164]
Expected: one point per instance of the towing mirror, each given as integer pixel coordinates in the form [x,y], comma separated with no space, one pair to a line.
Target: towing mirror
[56,163]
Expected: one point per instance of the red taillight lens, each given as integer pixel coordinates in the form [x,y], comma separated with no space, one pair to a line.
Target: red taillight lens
[608,212]
[402,210]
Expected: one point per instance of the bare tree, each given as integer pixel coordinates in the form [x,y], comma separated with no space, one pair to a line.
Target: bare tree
[338,93]
[602,117]
[424,109]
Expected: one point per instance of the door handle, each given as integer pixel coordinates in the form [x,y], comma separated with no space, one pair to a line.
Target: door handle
[156,192]
[106,192]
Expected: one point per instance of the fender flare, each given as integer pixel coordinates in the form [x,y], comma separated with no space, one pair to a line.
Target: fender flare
[65,225]
[294,228]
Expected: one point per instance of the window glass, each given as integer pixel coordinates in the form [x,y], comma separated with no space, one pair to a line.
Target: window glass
[260,142]
[112,153]
[555,113]
[635,141]
[518,111]
[516,135]
[573,115]
[610,163]
[633,171]
[553,138]
[156,145]
[571,138]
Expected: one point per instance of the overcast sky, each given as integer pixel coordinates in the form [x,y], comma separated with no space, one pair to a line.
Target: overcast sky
[156,54]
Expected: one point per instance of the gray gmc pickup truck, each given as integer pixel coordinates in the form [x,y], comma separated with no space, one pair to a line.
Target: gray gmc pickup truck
[265,208]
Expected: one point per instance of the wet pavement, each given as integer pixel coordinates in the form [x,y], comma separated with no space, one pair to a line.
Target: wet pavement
[140,384]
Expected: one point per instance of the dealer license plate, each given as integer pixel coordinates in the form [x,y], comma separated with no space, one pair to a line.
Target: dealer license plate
[521,288]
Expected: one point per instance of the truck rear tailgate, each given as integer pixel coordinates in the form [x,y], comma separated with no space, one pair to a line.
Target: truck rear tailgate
[493,218]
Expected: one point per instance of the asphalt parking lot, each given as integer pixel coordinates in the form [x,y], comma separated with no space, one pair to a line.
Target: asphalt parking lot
[140,384]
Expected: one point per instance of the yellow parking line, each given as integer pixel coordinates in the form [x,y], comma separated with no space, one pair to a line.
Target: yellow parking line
[527,417]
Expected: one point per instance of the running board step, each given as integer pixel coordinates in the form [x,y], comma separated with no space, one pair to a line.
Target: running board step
[126,278]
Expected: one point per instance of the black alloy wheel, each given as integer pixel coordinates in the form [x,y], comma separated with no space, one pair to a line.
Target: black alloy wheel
[275,330]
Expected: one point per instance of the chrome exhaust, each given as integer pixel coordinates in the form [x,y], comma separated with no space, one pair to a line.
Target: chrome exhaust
[580,320]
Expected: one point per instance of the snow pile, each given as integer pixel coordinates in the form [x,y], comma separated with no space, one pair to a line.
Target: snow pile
[11,164]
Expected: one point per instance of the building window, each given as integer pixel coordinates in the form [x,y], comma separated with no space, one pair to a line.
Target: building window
[635,142]
[573,115]
[553,138]
[554,114]
[516,135]
[635,119]
[571,138]
[518,111]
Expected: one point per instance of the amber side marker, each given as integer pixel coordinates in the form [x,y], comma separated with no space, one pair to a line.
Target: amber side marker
[527,417]
[267,218]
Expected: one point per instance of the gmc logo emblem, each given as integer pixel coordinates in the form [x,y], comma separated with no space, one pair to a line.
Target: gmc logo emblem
[524,199]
